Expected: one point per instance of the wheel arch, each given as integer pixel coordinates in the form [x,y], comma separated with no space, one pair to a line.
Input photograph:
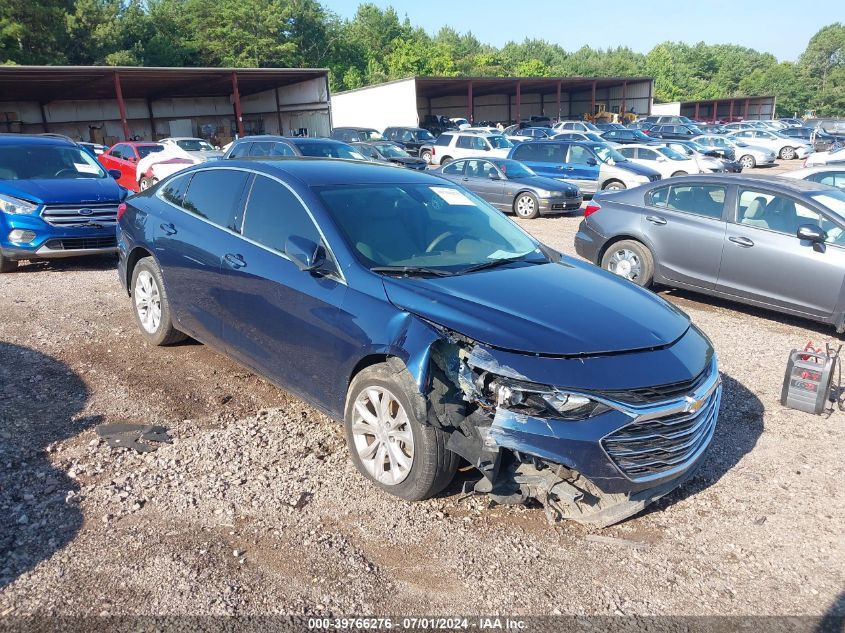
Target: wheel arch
[135,255]
[621,238]
[607,181]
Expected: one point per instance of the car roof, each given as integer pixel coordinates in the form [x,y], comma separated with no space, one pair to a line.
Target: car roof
[788,185]
[357,129]
[334,171]
[34,139]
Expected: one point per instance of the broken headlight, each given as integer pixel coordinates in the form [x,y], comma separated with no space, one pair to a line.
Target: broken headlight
[542,401]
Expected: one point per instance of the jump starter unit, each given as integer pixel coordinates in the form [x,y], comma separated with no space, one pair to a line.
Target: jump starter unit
[808,383]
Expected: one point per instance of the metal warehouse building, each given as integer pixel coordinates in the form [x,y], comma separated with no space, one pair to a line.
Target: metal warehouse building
[727,109]
[406,102]
[106,104]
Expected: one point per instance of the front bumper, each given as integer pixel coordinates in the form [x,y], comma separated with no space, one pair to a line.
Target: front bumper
[559,204]
[54,242]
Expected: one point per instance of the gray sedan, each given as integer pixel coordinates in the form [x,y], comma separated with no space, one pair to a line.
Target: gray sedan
[509,185]
[766,241]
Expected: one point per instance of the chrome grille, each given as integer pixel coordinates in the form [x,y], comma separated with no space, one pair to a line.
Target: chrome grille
[69,214]
[659,393]
[658,447]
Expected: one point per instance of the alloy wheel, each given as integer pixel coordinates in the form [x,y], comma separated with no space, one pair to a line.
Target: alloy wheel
[747,162]
[525,206]
[787,153]
[382,435]
[625,263]
[148,302]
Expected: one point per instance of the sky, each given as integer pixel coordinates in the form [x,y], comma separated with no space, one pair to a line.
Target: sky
[780,27]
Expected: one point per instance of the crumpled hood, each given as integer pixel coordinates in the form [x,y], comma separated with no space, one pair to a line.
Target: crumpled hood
[563,309]
[64,190]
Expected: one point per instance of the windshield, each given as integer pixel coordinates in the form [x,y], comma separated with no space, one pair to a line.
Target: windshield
[591,127]
[513,169]
[194,145]
[391,151]
[671,154]
[695,146]
[47,162]
[328,150]
[424,135]
[499,142]
[608,155]
[435,227]
[595,138]
[146,150]
[370,135]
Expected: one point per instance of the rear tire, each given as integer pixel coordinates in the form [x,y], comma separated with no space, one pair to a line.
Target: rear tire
[445,160]
[146,182]
[151,305]
[630,259]
[614,185]
[426,156]
[679,173]
[787,153]
[526,206]
[747,162]
[388,444]
[7,265]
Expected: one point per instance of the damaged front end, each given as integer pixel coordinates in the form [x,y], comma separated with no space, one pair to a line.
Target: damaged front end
[596,454]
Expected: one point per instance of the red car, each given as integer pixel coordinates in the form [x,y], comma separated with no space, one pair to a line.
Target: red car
[125,157]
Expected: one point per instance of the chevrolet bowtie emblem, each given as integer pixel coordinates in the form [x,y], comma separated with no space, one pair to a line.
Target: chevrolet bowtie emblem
[693,405]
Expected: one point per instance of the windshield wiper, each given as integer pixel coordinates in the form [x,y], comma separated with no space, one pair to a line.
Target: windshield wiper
[493,263]
[411,271]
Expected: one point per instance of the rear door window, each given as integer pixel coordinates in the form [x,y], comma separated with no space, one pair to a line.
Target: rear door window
[443,140]
[833,178]
[260,149]
[705,200]
[215,195]
[465,142]
[540,152]
[274,214]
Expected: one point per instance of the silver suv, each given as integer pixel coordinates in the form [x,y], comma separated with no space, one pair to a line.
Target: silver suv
[452,145]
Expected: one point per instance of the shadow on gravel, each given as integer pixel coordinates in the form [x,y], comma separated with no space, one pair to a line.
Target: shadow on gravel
[39,397]
[704,302]
[833,621]
[739,426]
[91,263]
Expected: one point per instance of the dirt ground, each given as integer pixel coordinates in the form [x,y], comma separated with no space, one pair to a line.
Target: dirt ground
[255,507]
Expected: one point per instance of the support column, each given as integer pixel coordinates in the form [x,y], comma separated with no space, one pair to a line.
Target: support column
[558,100]
[745,112]
[542,104]
[237,96]
[43,118]
[731,111]
[152,120]
[278,110]
[697,108]
[593,100]
[518,100]
[624,97]
[715,111]
[470,105]
[121,106]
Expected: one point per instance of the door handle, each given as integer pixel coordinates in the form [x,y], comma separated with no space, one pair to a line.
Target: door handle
[742,241]
[168,228]
[655,219]
[465,179]
[235,261]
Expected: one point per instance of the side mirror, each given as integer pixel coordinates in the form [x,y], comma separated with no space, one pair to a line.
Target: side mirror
[661,159]
[493,176]
[115,173]
[307,255]
[592,162]
[811,233]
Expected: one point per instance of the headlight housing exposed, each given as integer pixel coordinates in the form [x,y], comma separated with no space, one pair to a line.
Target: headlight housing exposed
[16,206]
[542,401]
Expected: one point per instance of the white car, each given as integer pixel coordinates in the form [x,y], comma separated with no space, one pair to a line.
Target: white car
[833,174]
[826,158]
[576,126]
[747,155]
[785,147]
[157,166]
[461,123]
[706,164]
[196,146]
[452,145]
[661,158]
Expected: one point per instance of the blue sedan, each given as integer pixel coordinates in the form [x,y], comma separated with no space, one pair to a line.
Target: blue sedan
[432,326]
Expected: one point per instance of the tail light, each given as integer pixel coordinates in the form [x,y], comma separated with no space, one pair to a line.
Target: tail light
[121,209]
[591,209]
[432,151]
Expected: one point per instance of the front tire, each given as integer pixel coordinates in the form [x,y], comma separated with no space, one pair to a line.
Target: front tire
[748,162]
[445,160]
[147,182]
[614,185]
[526,206]
[388,444]
[151,305]
[632,260]
[426,156]
[7,265]
[787,153]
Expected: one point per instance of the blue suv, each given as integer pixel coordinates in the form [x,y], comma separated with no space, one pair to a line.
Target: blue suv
[432,326]
[591,166]
[56,200]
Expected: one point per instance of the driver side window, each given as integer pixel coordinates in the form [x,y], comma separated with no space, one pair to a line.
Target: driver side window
[455,168]
[578,155]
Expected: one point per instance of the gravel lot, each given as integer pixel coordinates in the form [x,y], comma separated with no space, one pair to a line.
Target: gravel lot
[255,508]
